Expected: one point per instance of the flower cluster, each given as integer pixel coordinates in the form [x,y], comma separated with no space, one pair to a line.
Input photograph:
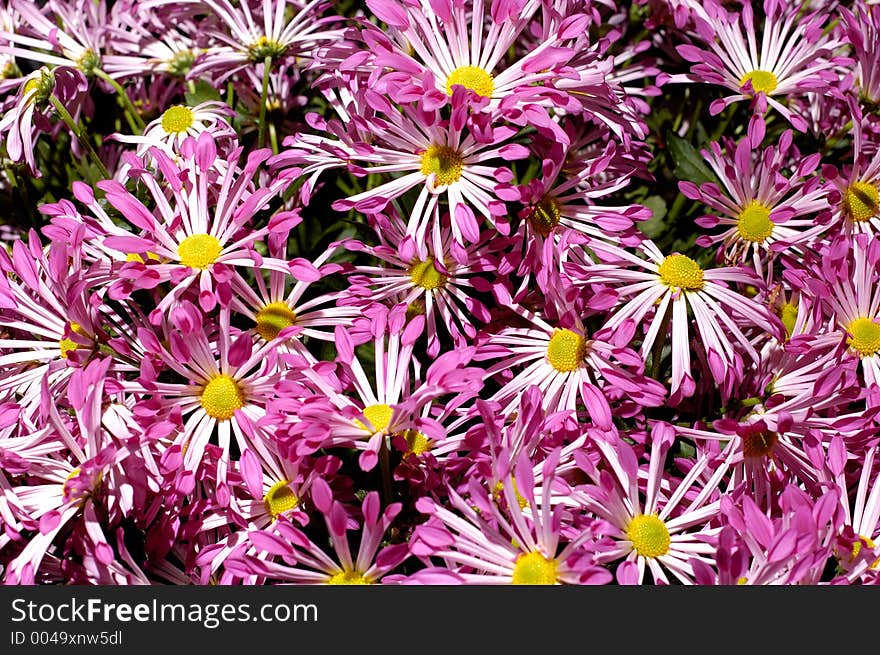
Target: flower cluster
[439,291]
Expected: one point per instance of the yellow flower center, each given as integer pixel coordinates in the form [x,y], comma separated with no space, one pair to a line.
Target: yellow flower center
[861,201]
[534,569]
[545,215]
[788,314]
[424,274]
[417,443]
[379,417]
[177,119]
[65,345]
[221,397]
[69,494]
[273,318]
[348,578]
[566,350]
[759,444]
[444,163]
[199,250]
[865,336]
[682,272]
[134,257]
[754,223]
[280,498]
[761,81]
[472,77]
[649,535]
[857,548]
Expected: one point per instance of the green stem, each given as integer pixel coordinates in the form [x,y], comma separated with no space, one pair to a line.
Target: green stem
[273,138]
[125,100]
[385,467]
[80,134]
[659,342]
[267,68]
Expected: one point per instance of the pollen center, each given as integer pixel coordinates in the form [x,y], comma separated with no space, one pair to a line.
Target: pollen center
[534,569]
[649,535]
[379,417]
[417,443]
[66,344]
[221,397]
[444,163]
[759,444]
[681,272]
[177,119]
[424,274]
[754,223]
[280,498]
[473,78]
[348,578]
[273,318]
[762,81]
[865,336]
[861,201]
[545,215]
[857,548]
[566,350]
[199,250]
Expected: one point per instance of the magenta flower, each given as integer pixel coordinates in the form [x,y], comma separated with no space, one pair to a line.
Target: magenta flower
[665,289]
[518,537]
[796,55]
[304,562]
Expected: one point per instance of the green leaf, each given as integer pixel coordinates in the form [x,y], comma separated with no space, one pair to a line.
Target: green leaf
[654,226]
[202,92]
[689,163]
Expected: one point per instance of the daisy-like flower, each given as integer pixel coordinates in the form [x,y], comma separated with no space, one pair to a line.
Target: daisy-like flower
[302,561]
[776,444]
[76,40]
[28,117]
[517,537]
[858,208]
[857,550]
[791,54]
[763,212]
[432,277]
[195,237]
[669,286]
[145,43]
[851,295]
[50,325]
[655,524]
[436,156]
[564,196]
[69,463]
[568,365]
[430,48]
[253,31]
[862,26]
[227,382]
[179,122]
[391,401]
[278,311]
